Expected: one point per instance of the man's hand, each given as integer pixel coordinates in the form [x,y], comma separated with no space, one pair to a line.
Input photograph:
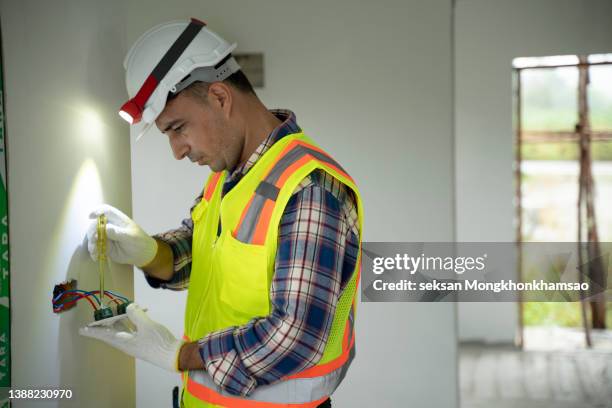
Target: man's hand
[151,341]
[127,243]
[190,357]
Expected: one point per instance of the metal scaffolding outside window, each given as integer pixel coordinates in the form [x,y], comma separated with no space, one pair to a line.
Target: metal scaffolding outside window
[581,138]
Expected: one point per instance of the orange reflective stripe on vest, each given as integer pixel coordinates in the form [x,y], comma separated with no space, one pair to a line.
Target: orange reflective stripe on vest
[206,394]
[210,188]
[255,219]
[318,153]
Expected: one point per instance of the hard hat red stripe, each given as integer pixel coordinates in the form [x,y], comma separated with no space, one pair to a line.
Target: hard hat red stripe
[197,20]
[161,69]
[145,91]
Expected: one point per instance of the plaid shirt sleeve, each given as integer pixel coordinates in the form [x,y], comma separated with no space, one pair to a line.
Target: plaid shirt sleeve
[317,252]
[179,241]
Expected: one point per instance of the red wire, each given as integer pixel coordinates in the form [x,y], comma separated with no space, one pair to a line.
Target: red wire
[78,296]
[109,295]
[86,297]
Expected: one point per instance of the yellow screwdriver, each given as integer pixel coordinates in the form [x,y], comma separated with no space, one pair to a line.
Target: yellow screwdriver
[104,311]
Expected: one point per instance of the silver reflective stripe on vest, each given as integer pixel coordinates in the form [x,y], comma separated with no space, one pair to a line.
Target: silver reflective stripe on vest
[345,367]
[265,190]
[351,324]
[293,391]
[294,155]
[247,228]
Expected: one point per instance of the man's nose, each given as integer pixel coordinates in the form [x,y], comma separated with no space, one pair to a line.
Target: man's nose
[179,148]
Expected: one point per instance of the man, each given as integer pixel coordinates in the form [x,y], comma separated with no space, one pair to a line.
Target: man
[270,254]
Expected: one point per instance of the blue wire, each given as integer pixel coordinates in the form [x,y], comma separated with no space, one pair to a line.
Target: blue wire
[117,295]
[75,291]
[62,294]
[87,294]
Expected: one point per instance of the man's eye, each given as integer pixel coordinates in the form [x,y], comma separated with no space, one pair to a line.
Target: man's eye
[179,129]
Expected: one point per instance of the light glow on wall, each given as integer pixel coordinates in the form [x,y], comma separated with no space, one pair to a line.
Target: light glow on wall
[86,193]
[89,132]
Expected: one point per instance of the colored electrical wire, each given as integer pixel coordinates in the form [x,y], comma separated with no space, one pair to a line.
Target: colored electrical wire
[93,293]
[117,295]
[111,296]
[76,297]
[78,292]
[108,293]
[79,296]
[72,302]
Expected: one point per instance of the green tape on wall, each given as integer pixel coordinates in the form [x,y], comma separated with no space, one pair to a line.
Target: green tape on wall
[5,317]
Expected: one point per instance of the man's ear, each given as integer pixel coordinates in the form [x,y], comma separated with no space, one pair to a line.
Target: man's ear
[221,96]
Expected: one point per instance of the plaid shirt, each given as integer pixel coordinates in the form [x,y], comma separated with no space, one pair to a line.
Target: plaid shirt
[317,251]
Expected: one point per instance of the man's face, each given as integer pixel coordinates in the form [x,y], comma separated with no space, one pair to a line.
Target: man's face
[199,131]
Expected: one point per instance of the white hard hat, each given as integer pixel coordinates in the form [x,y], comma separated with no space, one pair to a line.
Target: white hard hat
[168,58]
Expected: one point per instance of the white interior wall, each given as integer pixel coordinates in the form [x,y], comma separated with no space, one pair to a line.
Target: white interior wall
[488,35]
[370,81]
[67,152]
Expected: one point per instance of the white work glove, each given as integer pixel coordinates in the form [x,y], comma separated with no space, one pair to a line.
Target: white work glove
[126,242]
[151,341]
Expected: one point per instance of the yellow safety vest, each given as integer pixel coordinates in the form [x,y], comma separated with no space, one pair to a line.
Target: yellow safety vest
[231,274]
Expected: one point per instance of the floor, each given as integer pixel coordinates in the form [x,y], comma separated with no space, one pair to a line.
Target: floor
[567,376]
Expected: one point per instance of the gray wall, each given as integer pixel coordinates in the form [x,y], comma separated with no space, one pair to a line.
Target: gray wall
[488,35]
[370,81]
[67,152]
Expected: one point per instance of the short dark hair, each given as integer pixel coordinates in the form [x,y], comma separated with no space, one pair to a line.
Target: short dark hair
[239,81]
